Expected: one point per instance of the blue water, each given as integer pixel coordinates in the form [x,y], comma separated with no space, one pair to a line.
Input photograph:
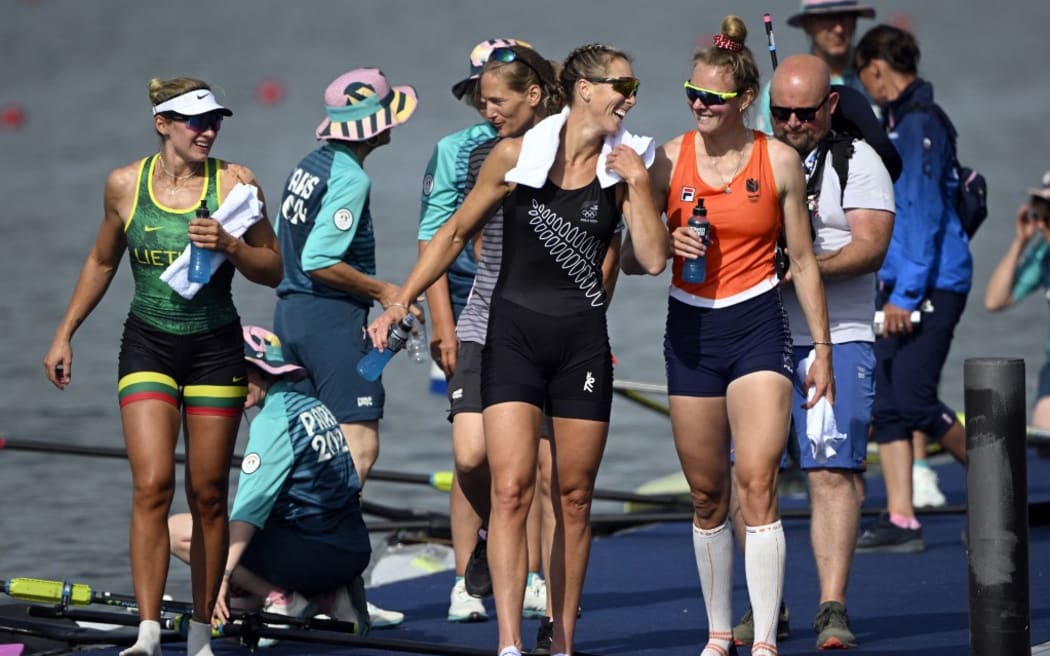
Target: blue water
[80,71]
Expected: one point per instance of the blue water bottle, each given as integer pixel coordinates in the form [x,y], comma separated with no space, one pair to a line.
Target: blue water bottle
[694,270]
[200,258]
[371,366]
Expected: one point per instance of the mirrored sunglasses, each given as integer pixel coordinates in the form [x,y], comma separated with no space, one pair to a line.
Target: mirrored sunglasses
[804,114]
[708,97]
[508,55]
[625,86]
[198,123]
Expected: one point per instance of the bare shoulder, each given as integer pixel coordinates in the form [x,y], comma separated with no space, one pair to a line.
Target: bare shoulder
[669,149]
[782,155]
[123,179]
[505,153]
[233,173]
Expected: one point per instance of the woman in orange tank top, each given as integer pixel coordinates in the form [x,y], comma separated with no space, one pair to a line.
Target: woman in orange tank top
[727,345]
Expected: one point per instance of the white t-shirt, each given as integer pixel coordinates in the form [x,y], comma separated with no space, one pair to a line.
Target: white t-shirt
[851,301]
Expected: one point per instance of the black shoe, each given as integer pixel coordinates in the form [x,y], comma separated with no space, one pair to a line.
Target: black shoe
[543,638]
[886,537]
[477,578]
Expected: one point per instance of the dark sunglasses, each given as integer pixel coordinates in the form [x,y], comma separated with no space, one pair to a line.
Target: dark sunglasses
[625,86]
[708,97]
[508,55]
[804,114]
[198,123]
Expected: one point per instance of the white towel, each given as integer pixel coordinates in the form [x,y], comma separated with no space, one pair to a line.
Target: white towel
[241,210]
[540,145]
[821,430]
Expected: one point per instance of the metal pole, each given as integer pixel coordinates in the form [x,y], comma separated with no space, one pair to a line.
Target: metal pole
[997,499]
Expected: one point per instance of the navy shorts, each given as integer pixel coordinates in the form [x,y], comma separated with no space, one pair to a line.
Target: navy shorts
[294,561]
[853,364]
[908,372]
[326,337]
[560,363]
[705,349]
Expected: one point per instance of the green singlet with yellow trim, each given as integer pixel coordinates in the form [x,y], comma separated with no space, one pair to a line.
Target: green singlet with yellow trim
[157,234]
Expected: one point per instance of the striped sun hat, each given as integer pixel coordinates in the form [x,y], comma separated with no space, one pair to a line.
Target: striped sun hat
[263,349]
[361,104]
[817,7]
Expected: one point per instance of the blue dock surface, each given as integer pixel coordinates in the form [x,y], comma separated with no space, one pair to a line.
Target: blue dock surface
[642,595]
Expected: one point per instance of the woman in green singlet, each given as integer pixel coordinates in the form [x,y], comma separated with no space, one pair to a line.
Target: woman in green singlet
[181,358]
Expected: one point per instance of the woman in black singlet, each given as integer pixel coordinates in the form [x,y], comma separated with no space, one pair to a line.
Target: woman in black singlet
[181,360]
[548,343]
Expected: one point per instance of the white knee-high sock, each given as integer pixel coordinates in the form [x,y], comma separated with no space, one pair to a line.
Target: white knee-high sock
[198,640]
[713,549]
[764,565]
[148,642]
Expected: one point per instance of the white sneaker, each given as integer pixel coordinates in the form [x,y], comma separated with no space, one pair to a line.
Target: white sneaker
[384,619]
[289,605]
[534,605]
[463,607]
[925,493]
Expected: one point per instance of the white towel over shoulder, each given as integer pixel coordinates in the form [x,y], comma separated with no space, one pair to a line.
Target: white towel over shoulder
[241,210]
[540,145]
[822,432]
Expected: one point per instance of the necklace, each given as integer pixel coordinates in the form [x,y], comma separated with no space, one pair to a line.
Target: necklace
[726,180]
[176,179]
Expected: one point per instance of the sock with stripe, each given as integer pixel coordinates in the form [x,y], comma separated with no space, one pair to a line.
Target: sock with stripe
[764,564]
[713,549]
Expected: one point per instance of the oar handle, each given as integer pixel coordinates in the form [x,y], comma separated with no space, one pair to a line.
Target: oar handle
[56,592]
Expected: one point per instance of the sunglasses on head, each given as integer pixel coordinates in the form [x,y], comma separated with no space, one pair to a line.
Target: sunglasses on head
[508,55]
[804,114]
[625,86]
[198,123]
[708,97]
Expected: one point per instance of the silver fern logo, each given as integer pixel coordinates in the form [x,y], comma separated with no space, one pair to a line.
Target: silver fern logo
[576,251]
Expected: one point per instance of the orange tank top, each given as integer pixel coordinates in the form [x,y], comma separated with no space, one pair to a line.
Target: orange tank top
[745,220]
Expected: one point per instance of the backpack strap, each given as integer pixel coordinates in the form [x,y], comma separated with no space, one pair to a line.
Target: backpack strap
[841,148]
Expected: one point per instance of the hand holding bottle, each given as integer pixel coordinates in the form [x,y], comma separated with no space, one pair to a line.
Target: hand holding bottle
[694,270]
[200,257]
[370,367]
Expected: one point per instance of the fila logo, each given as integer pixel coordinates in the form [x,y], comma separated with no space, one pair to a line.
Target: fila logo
[588,383]
[688,193]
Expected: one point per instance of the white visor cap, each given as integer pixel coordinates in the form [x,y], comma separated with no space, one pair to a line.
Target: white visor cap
[192,103]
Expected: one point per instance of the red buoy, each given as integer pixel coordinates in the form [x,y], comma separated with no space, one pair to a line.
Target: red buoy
[12,116]
[270,92]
